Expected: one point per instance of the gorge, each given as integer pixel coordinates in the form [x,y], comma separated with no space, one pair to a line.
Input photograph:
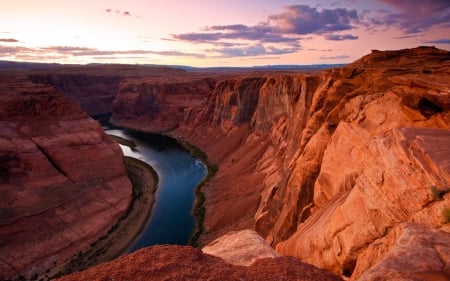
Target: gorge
[347,169]
[171,220]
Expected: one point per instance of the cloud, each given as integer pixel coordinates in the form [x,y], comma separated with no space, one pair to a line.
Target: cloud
[9,40]
[408,36]
[284,27]
[254,50]
[303,19]
[73,51]
[415,16]
[67,49]
[438,41]
[261,33]
[419,8]
[118,12]
[334,57]
[278,34]
[80,51]
[8,50]
[337,37]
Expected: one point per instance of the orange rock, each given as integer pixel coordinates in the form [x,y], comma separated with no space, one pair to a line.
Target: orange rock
[243,247]
[321,165]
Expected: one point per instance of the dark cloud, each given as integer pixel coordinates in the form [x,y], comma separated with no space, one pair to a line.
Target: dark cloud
[438,41]
[419,8]
[303,19]
[338,37]
[279,34]
[261,32]
[334,57]
[199,37]
[296,20]
[236,27]
[9,40]
[415,16]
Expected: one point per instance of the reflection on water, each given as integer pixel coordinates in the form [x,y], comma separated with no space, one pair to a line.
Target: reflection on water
[171,221]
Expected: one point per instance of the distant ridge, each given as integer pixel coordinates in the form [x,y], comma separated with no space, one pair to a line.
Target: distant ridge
[286,67]
[16,65]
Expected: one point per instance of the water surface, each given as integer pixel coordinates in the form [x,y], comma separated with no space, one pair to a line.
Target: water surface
[171,221]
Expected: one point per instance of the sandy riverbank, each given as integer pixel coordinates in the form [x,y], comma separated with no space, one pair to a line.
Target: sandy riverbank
[122,234]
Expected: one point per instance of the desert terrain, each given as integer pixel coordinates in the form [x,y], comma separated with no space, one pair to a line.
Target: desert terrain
[343,173]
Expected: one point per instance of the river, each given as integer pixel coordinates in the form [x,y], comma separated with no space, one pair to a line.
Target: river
[171,220]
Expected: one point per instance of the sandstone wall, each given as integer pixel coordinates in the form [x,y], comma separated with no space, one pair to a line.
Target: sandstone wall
[62,180]
[94,93]
[94,87]
[333,168]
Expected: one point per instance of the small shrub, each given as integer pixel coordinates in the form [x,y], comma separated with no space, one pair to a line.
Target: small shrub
[438,194]
[446,215]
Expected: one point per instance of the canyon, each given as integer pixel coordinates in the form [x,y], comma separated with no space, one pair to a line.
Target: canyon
[347,170]
[336,168]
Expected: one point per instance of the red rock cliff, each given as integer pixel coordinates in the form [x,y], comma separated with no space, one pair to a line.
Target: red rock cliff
[336,169]
[94,87]
[62,180]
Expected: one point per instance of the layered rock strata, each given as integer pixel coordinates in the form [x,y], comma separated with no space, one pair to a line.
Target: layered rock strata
[94,87]
[326,167]
[62,180]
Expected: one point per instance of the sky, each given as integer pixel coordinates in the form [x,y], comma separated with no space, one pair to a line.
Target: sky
[206,33]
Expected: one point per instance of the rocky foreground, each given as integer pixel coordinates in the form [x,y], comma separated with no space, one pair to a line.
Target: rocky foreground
[186,263]
[347,170]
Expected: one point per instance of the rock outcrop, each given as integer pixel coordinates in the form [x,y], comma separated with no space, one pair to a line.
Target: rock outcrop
[170,262]
[63,184]
[243,247]
[325,167]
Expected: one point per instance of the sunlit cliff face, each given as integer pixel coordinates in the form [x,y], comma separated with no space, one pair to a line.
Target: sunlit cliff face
[305,158]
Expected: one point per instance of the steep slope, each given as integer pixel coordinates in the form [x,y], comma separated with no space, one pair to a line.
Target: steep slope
[94,87]
[62,180]
[325,167]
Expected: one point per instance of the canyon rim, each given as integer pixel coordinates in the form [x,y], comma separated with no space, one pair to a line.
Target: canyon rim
[347,169]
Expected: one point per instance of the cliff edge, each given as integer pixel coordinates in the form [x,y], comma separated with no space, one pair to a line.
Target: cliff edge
[347,170]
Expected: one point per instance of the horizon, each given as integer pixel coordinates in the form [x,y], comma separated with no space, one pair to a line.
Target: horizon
[245,33]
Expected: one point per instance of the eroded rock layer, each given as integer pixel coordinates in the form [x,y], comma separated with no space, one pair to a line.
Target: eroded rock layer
[62,180]
[94,87]
[325,166]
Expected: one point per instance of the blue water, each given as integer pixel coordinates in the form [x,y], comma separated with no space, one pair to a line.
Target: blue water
[171,220]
